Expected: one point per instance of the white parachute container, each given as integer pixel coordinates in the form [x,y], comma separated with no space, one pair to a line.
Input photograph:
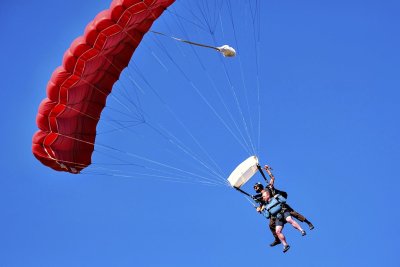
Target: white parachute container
[243,172]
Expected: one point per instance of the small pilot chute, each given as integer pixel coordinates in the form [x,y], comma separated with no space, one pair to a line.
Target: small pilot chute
[244,172]
[227,51]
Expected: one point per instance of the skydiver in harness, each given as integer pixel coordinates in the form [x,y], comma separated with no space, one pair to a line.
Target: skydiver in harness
[273,207]
[258,187]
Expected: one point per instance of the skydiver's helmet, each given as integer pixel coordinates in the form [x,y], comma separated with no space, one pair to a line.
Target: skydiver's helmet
[258,187]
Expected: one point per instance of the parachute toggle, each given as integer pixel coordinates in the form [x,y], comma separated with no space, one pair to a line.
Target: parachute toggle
[227,51]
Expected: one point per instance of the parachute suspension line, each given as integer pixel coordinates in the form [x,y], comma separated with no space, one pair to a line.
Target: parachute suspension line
[191,175]
[124,161]
[104,146]
[217,172]
[122,104]
[217,92]
[256,17]
[121,128]
[241,71]
[235,97]
[112,96]
[185,150]
[176,117]
[211,32]
[122,125]
[172,176]
[204,179]
[160,64]
[138,157]
[159,131]
[177,44]
[202,96]
[134,101]
[169,167]
[256,147]
[96,119]
[98,169]
[150,51]
[215,88]
[118,125]
[204,9]
[254,11]
[189,153]
[243,81]
[185,19]
[134,117]
[217,15]
[157,177]
[250,201]
[159,164]
[185,176]
[138,175]
[222,27]
[105,94]
[190,10]
[138,109]
[136,106]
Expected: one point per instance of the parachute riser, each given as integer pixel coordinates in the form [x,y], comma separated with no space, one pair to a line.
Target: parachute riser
[247,194]
[243,192]
[262,173]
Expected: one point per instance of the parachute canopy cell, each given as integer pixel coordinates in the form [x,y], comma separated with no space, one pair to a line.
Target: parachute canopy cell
[243,172]
[78,89]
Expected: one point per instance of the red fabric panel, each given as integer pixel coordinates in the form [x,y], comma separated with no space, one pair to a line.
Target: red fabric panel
[78,89]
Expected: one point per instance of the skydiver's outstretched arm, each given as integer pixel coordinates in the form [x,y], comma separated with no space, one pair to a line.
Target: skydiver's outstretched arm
[271,176]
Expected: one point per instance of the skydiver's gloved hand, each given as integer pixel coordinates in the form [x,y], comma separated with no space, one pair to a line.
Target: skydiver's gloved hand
[260,209]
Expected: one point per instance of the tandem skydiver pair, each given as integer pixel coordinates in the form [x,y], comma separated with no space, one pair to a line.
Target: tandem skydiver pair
[272,203]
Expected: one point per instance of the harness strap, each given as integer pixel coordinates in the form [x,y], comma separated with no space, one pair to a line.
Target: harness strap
[273,206]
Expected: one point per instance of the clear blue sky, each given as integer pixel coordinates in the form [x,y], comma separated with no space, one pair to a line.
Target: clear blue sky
[329,91]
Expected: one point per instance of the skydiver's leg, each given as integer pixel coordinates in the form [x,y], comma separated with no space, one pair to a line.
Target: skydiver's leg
[282,238]
[299,217]
[295,225]
[272,227]
[281,235]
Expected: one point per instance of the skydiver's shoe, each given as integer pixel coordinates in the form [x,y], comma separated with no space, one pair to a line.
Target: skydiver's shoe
[276,242]
[311,226]
[286,248]
[303,233]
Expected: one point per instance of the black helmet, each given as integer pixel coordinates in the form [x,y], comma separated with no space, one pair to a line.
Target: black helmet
[258,187]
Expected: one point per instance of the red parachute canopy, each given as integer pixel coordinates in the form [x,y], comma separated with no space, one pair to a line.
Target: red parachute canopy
[77,90]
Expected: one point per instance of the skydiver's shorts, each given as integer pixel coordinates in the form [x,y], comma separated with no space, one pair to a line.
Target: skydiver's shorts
[282,220]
